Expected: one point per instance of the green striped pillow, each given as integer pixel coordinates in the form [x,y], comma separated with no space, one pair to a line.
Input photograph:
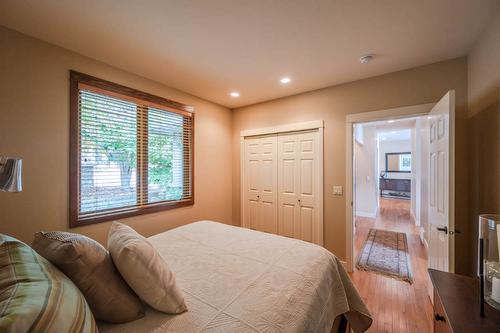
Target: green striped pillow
[35,296]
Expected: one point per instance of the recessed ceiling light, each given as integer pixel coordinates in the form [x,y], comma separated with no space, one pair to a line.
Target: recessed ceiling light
[391,121]
[393,132]
[235,94]
[285,80]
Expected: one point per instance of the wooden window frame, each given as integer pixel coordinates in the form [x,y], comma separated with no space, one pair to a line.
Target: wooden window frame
[122,92]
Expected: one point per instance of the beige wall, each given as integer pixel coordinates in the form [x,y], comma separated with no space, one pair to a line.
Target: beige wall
[415,86]
[34,119]
[34,125]
[484,113]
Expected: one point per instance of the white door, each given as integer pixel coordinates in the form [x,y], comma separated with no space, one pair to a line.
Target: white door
[441,184]
[298,186]
[288,184]
[260,183]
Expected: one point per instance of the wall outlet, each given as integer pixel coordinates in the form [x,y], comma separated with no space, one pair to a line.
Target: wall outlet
[337,190]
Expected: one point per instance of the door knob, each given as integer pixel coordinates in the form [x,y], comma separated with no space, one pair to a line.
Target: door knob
[444,229]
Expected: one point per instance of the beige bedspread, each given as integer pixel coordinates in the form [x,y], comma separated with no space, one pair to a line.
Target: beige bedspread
[239,280]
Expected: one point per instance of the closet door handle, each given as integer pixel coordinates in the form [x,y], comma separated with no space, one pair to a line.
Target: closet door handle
[258,197]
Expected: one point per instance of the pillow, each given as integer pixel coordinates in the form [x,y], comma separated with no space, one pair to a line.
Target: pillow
[35,296]
[88,264]
[144,269]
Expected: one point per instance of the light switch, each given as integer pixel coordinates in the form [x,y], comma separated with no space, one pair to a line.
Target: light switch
[337,190]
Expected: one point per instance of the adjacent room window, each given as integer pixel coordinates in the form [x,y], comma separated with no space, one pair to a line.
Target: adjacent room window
[398,162]
[405,162]
[131,152]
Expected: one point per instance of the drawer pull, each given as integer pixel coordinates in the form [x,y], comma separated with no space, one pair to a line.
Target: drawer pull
[438,317]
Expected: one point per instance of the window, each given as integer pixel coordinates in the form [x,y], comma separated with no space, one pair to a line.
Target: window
[405,162]
[131,152]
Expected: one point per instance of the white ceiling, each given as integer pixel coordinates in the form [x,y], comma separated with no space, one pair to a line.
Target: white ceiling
[395,135]
[395,130]
[209,48]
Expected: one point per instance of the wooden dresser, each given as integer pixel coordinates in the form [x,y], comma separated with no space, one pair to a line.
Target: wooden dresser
[401,186]
[456,305]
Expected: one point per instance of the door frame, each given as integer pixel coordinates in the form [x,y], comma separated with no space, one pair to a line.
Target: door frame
[279,129]
[350,120]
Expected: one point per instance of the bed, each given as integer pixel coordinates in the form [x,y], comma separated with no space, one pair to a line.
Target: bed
[240,280]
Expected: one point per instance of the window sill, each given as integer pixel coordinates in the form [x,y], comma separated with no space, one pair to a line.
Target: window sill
[124,213]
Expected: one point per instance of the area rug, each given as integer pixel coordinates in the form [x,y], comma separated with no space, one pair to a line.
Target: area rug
[386,252]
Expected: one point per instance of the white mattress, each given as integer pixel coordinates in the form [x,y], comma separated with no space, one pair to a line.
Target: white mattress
[239,280]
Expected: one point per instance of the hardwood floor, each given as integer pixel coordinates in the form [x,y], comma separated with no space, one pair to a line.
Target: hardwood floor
[396,306]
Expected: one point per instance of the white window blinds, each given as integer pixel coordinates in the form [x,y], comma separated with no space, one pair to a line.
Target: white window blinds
[133,156]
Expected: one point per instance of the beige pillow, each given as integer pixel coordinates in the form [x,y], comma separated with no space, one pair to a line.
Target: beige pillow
[144,269]
[89,266]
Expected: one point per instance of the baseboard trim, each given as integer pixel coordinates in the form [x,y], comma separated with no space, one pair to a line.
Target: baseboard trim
[366,214]
[344,263]
[422,238]
[414,219]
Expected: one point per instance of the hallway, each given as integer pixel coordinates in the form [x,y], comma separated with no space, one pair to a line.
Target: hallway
[396,306]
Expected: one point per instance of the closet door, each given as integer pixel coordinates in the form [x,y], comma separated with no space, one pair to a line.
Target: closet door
[288,185]
[261,184]
[298,185]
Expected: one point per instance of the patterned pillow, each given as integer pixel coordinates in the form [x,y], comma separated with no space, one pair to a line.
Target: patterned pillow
[88,264]
[35,296]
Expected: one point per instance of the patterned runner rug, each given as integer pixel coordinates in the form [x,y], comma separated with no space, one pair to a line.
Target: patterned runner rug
[386,252]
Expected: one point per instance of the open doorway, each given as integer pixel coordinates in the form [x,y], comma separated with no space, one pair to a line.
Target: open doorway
[390,249]
[384,200]
[390,173]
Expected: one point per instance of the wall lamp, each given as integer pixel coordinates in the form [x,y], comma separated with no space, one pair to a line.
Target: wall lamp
[10,174]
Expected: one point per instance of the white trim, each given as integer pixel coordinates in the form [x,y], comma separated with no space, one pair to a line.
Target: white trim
[349,196]
[414,219]
[422,237]
[295,127]
[387,114]
[276,130]
[321,235]
[451,182]
[351,119]
[366,214]
[242,182]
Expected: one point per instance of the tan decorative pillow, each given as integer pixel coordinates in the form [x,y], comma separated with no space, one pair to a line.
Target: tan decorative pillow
[88,264]
[144,269]
[37,297]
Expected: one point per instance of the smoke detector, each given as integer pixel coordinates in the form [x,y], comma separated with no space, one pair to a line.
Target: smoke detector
[366,58]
